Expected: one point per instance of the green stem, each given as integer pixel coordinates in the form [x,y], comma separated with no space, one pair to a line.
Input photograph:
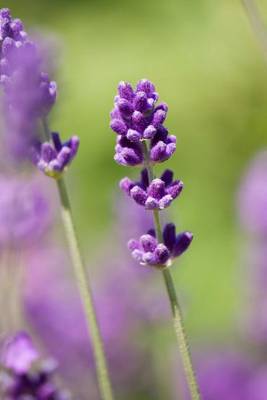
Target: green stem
[84,286]
[85,292]
[177,317]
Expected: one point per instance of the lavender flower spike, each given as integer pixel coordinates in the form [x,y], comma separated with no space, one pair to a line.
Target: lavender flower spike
[53,160]
[26,375]
[148,251]
[158,194]
[136,118]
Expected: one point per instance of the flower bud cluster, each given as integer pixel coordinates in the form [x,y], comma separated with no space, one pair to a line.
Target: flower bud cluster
[143,140]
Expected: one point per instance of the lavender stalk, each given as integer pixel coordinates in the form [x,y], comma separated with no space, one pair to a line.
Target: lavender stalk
[144,140]
[178,323]
[29,95]
[80,274]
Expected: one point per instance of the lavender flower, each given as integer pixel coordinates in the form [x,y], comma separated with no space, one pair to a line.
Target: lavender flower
[148,251]
[28,92]
[158,194]
[136,117]
[25,375]
[53,160]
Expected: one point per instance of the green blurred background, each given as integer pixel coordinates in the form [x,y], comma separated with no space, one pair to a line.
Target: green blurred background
[207,65]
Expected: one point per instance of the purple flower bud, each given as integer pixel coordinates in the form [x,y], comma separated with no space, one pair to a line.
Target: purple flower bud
[53,161]
[128,153]
[157,194]
[133,136]
[149,251]
[182,242]
[118,126]
[126,91]
[136,111]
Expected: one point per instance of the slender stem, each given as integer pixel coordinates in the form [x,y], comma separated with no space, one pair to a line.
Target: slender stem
[85,293]
[175,306]
[84,286]
[256,23]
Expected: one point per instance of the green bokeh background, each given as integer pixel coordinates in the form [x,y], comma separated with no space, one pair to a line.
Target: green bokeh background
[207,65]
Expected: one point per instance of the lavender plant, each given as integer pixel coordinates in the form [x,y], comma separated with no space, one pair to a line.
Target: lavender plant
[28,97]
[143,140]
[24,374]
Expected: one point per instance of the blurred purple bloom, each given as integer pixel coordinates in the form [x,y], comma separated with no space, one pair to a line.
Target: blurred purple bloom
[25,375]
[54,159]
[148,251]
[28,92]
[25,213]
[158,194]
[19,353]
[225,376]
[252,197]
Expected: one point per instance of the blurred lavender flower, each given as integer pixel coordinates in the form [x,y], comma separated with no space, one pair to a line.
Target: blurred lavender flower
[158,194]
[24,375]
[25,213]
[53,161]
[28,92]
[148,251]
[225,375]
[252,197]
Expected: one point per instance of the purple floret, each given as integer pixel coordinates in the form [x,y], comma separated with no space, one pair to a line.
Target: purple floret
[159,194]
[25,374]
[148,251]
[53,159]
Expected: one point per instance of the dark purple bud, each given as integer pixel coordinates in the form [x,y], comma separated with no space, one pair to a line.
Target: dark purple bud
[144,178]
[161,254]
[175,189]
[182,243]
[5,13]
[139,121]
[125,91]
[167,177]
[169,236]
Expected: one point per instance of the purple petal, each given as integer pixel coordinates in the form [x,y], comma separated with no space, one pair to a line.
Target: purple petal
[165,201]
[182,242]
[148,242]
[133,135]
[126,185]
[169,236]
[125,107]
[175,189]
[139,195]
[149,132]
[144,85]
[125,90]
[118,126]
[151,203]
[156,189]
[48,153]
[56,141]
[167,177]
[161,254]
